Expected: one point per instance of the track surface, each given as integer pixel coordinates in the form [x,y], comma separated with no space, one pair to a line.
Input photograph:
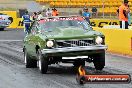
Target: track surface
[13,73]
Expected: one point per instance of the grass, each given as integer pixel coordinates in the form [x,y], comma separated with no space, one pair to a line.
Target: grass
[8,9]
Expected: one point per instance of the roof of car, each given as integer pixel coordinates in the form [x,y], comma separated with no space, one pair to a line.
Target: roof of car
[52,17]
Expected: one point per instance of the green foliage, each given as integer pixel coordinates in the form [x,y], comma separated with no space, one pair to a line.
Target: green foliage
[8,9]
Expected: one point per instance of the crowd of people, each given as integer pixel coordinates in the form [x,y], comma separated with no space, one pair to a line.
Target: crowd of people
[87,14]
[123,14]
[28,19]
[48,13]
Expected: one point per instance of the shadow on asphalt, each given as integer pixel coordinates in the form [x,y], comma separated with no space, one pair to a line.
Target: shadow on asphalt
[73,70]
[5,30]
[62,70]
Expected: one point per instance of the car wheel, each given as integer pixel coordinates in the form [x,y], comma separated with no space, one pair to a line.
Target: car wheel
[42,62]
[1,29]
[99,61]
[29,62]
[78,63]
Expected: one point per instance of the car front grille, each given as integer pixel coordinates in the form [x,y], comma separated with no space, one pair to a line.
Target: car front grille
[74,43]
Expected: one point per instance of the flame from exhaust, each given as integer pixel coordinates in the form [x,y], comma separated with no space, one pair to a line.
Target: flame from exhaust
[81,71]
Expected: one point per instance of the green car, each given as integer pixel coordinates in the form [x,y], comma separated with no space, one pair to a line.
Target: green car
[66,39]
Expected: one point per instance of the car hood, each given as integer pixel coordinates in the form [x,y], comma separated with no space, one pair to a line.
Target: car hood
[4,16]
[70,33]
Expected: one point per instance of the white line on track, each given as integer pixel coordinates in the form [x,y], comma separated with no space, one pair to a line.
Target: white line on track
[11,40]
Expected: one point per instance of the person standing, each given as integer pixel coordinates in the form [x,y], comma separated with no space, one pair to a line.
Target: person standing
[34,16]
[94,11]
[48,12]
[86,14]
[55,12]
[123,15]
[26,19]
[40,16]
[80,12]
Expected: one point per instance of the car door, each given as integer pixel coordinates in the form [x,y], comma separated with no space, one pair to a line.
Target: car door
[30,40]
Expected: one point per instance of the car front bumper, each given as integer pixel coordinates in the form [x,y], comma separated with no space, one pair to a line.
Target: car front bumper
[74,49]
[4,24]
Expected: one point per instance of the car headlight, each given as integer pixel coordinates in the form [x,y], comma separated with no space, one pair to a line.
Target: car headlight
[99,40]
[50,43]
[8,23]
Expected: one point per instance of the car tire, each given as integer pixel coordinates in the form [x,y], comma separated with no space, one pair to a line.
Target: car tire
[1,29]
[42,62]
[78,63]
[99,60]
[29,63]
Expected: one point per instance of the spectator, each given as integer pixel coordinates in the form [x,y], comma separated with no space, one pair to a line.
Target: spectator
[48,12]
[123,15]
[86,14]
[43,8]
[40,16]
[94,12]
[34,17]
[80,12]
[54,12]
[26,19]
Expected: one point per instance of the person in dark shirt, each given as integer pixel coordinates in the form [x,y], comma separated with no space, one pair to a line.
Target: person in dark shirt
[34,16]
[94,11]
[26,19]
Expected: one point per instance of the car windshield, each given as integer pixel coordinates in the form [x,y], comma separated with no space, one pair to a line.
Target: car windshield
[51,25]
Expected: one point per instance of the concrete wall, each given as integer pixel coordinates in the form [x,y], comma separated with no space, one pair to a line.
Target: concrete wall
[118,40]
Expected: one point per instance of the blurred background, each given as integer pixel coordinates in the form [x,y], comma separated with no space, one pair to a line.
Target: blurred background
[105,8]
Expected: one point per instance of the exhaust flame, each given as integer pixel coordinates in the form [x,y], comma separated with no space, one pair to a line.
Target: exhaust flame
[81,75]
[81,71]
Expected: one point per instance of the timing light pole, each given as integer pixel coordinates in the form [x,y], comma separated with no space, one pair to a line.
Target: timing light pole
[69,6]
[103,7]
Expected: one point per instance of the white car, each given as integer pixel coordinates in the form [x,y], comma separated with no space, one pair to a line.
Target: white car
[5,21]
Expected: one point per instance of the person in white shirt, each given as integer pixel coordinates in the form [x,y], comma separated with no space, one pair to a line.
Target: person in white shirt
[48,12]
[40,16]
